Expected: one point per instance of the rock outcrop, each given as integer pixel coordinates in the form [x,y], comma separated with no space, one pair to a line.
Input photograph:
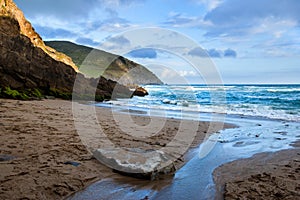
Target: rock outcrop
[29,67]
[134,162]
[141,92]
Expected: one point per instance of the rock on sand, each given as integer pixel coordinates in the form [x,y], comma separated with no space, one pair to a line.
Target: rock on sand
[135,162]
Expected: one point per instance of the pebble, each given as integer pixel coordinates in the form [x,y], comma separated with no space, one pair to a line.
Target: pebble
[4,157]
[76,164]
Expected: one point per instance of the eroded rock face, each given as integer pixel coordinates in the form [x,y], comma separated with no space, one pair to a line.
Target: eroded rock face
[139,163]
[22,65]
[27,63]
[9,9]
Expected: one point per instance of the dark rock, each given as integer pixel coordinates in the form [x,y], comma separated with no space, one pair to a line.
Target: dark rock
[278,138]
[4,157]
[157,143]
[145,198]
[281,132]
[76,164]
[141,92]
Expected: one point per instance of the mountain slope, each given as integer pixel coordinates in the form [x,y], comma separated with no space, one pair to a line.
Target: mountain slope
[92,61]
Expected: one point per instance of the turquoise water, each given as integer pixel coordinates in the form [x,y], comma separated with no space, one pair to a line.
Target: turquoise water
[267,101]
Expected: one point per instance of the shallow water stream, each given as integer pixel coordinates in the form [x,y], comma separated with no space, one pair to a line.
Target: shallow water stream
[194,180]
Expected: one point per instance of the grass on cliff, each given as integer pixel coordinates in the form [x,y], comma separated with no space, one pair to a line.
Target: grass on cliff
[37,94]
[28,94]
[79,53]
[94,62]
[32,94]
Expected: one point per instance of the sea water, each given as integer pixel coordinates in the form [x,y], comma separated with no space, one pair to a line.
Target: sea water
[267,101]
[268,120]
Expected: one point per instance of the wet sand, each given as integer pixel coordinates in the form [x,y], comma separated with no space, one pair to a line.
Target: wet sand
[263,176]
[42,155]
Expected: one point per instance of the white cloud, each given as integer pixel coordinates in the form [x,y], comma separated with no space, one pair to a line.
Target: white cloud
[187,73]
[82,18]
[237,17]
[183,20]
[217,24]
[170,76]
[113,43]
[273,26]
[117,3]
[210,4]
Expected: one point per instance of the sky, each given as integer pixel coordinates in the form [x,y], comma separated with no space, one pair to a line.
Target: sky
[249,41]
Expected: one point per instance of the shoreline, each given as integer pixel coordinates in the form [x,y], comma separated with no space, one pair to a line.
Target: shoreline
[42,152]
[268,175]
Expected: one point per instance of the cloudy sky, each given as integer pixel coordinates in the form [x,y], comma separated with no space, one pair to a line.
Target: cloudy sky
[249,41]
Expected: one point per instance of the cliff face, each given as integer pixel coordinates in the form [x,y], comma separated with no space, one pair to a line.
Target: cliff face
[23,65]
[27,64]
[8,8]
[114,67]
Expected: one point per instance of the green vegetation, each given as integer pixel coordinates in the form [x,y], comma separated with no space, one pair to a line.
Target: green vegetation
[60,94]
[78,53]
[7,92]
[22,94]
[32,94]
[94,62]
[10,92]
[91,62]
[37,94]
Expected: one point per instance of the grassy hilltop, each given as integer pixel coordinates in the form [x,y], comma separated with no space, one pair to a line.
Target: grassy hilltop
[93,61]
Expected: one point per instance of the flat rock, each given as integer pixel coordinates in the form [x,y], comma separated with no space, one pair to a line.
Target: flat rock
[135,162]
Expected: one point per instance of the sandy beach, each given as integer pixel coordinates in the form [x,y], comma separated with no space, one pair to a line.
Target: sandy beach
[263,176]
[42,155]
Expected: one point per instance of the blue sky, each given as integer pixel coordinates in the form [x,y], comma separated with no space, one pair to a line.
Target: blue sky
[249,41]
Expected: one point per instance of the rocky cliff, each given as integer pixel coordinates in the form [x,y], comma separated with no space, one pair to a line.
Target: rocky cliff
[113,66]
[30,68]
[9,9]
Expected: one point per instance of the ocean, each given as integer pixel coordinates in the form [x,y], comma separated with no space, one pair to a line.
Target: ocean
[281,102]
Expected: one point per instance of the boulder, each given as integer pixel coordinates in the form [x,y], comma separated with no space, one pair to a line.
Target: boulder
[141,92]
[135,162]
